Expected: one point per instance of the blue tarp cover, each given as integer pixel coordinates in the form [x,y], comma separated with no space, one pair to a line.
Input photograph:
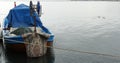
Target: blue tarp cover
[20,17]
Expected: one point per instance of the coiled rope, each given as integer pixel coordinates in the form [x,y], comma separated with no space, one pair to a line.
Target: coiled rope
[67,49]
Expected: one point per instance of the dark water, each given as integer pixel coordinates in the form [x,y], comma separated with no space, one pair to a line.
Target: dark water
[13,57]
[81,26]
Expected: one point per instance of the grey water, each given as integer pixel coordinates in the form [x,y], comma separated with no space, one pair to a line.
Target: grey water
[87,26]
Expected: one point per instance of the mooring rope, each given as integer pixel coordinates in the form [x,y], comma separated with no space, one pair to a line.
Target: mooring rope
[67,49]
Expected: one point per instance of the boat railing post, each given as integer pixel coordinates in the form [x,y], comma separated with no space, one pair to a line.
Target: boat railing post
[32,13]
[14,4]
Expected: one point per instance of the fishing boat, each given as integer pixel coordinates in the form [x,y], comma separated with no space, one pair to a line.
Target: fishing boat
[23,30]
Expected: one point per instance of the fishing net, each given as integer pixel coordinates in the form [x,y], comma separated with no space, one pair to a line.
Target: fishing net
[36,45]
[36,42]
[21,31]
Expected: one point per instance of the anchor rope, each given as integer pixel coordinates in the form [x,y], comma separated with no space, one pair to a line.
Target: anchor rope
[66,49]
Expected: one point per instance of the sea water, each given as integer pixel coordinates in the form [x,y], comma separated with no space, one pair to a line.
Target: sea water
[87,26]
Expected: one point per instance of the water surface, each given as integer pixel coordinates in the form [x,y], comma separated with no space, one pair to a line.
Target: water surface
[82,26]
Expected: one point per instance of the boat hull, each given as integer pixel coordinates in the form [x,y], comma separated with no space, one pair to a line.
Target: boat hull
[20,43]
[20,47]
[16,47]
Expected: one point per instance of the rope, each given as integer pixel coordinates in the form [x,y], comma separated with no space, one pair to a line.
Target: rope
[67,49]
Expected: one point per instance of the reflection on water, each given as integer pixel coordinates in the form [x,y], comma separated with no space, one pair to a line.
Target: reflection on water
[13,57]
